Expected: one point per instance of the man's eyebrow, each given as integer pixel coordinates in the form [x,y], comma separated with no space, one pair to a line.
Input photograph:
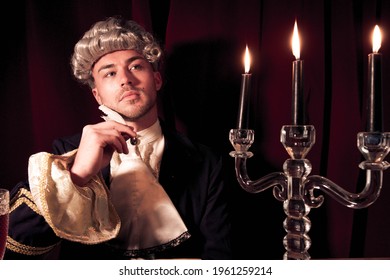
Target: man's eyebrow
[129,60]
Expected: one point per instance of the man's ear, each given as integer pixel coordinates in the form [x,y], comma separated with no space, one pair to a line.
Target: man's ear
[158,80]
[95,93]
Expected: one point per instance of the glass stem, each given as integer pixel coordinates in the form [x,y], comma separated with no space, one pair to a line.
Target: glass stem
[297,223]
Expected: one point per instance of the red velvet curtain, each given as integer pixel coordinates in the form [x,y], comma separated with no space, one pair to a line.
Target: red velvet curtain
[205,43]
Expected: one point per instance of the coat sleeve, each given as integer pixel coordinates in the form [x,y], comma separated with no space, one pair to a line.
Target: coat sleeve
[40,206]
[29,236]
[82,214]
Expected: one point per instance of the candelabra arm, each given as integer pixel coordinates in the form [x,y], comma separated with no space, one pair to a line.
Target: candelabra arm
[241,140]
[365,198]
[275,179]
[374,146]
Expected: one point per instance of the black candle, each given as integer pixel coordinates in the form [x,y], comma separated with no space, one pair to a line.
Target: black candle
[374,106]
[243,108]
[298,102]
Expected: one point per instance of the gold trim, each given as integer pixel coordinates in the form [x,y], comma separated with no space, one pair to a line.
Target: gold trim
[43,183]
[23,196]
[20,248]
[23,191]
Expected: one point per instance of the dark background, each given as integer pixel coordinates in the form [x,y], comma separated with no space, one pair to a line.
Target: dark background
[205,43]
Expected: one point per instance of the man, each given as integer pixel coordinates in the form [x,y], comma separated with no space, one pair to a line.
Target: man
[127,187]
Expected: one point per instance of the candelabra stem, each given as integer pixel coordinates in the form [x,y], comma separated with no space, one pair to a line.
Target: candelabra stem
[297,223]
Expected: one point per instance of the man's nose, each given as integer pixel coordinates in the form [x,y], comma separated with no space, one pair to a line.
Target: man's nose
[127,78]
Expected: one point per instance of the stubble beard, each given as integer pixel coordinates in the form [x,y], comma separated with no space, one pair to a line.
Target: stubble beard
[139,112]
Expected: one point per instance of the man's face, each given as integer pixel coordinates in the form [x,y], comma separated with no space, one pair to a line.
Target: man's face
[126,83]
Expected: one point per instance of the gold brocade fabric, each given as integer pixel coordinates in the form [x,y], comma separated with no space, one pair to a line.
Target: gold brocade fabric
[82,214]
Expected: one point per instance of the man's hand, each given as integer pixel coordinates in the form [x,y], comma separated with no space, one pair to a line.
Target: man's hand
[97,145]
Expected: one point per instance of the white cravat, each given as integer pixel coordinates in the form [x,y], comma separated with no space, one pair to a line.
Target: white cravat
[148,217]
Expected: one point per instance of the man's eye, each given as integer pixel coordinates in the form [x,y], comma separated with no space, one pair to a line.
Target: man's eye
[136,67]
[110,74]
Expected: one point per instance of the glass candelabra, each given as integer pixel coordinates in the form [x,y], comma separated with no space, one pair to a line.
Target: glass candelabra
[295,188]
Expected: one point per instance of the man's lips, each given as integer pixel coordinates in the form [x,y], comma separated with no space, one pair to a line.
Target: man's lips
[129,95]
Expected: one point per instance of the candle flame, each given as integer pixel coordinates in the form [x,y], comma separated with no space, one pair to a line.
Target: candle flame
[295,42]
[247,60]
[376,39]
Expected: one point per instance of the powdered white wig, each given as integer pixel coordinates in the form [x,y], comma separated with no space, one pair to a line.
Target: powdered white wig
[111,35]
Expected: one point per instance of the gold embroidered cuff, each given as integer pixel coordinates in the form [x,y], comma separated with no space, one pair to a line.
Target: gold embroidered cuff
[82,214]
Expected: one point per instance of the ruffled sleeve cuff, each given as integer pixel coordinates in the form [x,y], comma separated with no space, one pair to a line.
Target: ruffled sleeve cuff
[81,214]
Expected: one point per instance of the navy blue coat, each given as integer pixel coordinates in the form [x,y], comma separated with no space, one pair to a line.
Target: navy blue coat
[191,174]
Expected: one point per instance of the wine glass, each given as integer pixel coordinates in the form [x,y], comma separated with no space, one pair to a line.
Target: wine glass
[4,219]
